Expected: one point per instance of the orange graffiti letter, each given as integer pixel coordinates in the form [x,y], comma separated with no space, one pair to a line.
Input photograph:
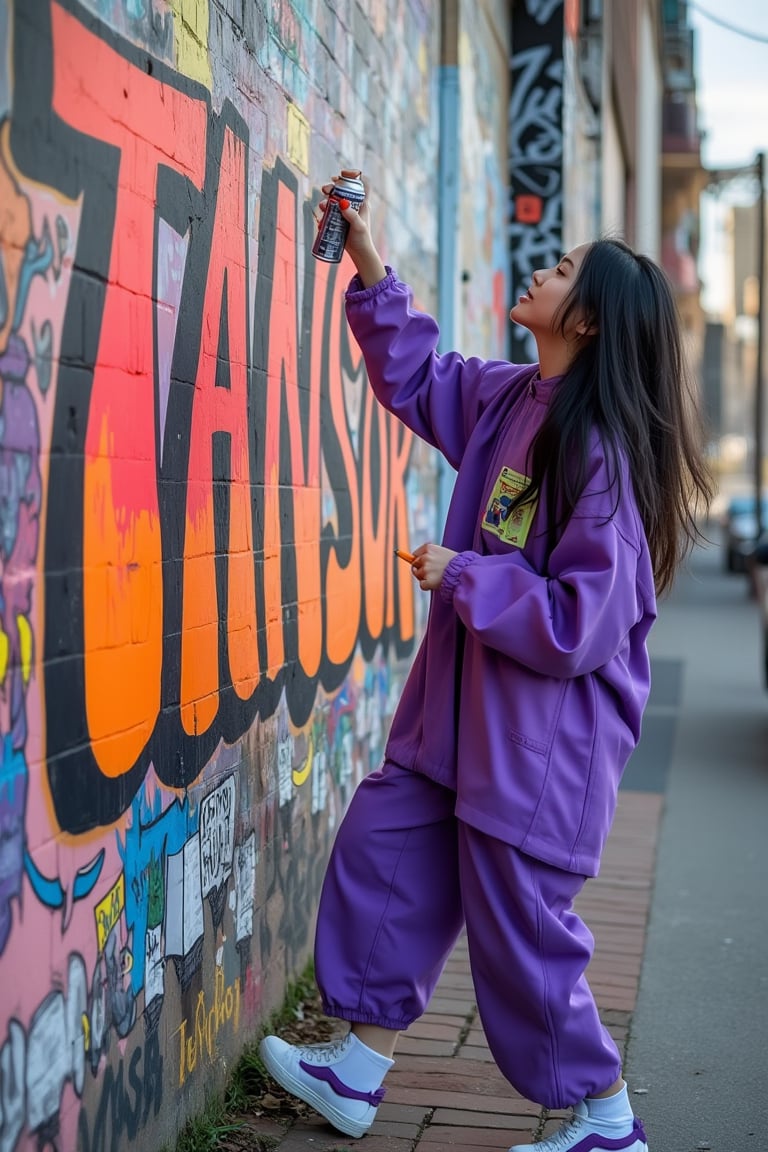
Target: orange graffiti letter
[376,551]
[399,609]
[343,591]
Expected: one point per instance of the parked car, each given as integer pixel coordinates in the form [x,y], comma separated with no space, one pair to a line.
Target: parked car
[758,567]
[740,530]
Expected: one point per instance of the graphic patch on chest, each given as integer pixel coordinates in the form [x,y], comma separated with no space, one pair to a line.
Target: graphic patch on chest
[511,525]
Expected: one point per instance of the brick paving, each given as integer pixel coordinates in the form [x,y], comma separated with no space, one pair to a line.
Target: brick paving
[445,1092]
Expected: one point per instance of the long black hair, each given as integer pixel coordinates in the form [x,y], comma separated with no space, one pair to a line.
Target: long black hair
[628,380]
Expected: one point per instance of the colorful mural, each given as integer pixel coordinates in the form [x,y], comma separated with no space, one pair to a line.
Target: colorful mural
[203,627]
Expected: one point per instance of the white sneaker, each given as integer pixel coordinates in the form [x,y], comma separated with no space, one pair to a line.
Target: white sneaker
[580,1134]
[342,1081]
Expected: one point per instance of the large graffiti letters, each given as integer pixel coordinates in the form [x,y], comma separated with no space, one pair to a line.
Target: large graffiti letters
[219,436]
[109,125]
[219,530]
[291,448]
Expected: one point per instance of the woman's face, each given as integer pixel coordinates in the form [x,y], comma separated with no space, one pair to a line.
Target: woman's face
[538,308]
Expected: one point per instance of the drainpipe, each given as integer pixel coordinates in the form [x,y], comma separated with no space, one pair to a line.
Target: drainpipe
[449,177]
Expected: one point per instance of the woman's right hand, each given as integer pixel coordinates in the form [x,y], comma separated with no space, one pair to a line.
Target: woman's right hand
[359,243]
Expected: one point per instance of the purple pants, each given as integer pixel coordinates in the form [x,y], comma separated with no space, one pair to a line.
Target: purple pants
[404,877]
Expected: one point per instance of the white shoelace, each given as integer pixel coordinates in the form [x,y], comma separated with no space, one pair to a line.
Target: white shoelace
[325,1053]
[564,1135]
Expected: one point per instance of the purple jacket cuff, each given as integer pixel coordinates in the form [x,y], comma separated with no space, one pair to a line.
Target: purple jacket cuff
[453,570]
[356,293]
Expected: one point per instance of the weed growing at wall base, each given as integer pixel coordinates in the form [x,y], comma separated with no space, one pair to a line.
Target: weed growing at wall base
[223,1126]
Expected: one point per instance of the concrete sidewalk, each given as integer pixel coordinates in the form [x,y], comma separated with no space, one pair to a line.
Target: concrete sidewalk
[445,1091]
[699,1045]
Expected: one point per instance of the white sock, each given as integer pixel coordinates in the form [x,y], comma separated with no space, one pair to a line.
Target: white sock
[614,1109]
[360,1066]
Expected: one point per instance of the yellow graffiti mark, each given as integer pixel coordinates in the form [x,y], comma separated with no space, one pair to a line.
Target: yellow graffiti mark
[199,1042]
[190,33]
[298,139]
[4,648]
[423,88]
[109,910]
[25,647]
[299,775]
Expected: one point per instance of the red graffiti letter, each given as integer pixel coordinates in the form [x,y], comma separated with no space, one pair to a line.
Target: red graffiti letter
[220,409]
[103,95]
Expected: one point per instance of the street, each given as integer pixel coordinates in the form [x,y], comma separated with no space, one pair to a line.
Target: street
[698,1054]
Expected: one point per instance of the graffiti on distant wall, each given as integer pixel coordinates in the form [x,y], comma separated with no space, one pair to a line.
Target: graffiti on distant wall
[484,317]
[535,150]
[203,627]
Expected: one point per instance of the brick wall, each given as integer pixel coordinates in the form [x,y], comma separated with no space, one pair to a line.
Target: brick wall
[203,629]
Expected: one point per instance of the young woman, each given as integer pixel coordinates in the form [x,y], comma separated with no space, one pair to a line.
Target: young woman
[576,483]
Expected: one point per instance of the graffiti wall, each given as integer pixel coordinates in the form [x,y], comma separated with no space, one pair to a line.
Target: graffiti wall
[484,73]
[535,150]
[203,628]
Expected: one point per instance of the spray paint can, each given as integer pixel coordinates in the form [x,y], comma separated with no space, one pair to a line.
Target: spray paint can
[333,230]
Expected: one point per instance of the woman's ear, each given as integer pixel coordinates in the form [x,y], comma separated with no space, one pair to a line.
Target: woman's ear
[584,328]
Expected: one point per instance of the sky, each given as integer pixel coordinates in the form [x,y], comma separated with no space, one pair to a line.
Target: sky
[732,93]
[732,79]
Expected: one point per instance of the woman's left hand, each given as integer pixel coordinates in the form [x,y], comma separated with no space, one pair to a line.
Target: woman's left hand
[429,563]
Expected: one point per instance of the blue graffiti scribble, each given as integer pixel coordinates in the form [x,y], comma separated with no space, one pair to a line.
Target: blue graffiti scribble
[38,257]
[14,781]
[153,835]
[52,892]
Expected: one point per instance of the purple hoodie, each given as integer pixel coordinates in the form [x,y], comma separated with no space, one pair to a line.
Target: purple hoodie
[527,692]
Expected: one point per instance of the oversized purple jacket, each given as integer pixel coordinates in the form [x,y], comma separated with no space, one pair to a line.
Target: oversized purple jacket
[527,692]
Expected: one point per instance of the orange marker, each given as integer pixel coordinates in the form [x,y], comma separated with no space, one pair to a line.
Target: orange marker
[409,559]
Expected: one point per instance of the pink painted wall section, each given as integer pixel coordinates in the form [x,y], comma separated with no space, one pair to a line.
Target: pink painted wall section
[484,35]
[203,628]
